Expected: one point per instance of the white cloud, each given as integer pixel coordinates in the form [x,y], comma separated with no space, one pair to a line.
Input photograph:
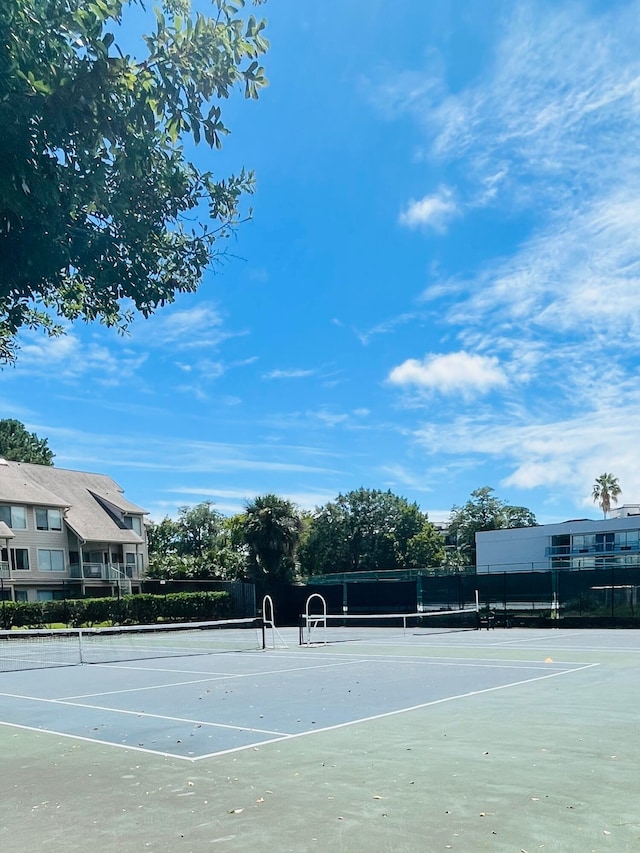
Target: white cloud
[388,326]
[69,358]
[454,373]
[288,374]
[307,500]
[201,325]
[562,456]
[433,211]
[330,419]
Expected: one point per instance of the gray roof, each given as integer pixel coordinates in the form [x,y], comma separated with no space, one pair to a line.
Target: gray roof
[17,486]
[88,498]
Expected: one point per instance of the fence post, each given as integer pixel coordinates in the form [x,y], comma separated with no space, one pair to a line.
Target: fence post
[613,593]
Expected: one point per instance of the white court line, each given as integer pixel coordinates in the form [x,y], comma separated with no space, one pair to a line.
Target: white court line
[535,639]
[97,741]
[145,714]
[522,663]
[396,712]
[204,680]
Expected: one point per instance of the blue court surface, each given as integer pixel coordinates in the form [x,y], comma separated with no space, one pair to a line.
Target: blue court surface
[194,707]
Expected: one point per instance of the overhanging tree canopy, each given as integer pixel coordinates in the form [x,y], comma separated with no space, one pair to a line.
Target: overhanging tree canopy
[95,186]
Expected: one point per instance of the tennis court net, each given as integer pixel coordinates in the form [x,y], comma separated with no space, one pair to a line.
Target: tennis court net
[42,648]
[320,628]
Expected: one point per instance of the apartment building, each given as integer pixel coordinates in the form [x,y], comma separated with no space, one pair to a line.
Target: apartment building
[569,545]
[64,533]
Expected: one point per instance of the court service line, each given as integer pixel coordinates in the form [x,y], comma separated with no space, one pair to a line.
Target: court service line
[396,712]
[536,639]
[144,714]
[455,661]
[204,680]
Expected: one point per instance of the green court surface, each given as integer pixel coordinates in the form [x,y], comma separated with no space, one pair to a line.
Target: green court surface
[502,740]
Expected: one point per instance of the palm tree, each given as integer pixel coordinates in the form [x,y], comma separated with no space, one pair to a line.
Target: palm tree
[272,528]
[605,491]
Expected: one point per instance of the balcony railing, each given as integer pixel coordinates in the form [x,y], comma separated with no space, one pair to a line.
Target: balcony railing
[599,548]
[4,569]
[105,571]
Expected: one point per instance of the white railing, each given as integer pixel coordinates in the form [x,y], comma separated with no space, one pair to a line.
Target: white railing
[4,569]
[105,572]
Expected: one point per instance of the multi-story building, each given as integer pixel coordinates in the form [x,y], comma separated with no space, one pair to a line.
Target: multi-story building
[569,545]
[67,532]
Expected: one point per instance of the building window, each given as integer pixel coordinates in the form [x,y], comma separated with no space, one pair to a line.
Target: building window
[130,564]
[133,523]
[49,595]
[14,516]
[18,558]
[50,560]
[21,595]
[48,519]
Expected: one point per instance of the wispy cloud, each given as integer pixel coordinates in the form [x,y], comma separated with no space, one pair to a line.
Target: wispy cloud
[454,373]
[431,211]
[76,448]
[558,102]
[294,373]
[201,325]
[562,455]
[238,497]
[388,326]
[68,359]
[550,126]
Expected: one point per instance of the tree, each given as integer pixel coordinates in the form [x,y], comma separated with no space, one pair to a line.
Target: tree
[483,511]
[605,491]
[197,544]
[19,445]
[425,549]
[162,537]
[272,528]
[369,529]
[198,529]
[97,195]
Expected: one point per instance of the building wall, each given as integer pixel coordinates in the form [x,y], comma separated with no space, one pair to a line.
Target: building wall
[529,549]
[38,582]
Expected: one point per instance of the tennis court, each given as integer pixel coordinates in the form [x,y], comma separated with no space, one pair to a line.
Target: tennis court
[404,740]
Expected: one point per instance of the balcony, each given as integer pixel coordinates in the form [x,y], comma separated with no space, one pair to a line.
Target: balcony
[4,570]
[598,548]
[113,572]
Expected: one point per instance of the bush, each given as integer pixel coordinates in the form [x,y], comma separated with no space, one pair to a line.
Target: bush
[130,609]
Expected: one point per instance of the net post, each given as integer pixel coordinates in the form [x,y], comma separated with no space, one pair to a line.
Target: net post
[80,655]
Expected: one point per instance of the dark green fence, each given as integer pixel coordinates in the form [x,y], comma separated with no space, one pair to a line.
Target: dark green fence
[590,596]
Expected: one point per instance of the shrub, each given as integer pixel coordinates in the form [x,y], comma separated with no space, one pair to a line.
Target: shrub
[130,609]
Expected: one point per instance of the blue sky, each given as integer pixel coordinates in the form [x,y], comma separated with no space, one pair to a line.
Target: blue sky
[439,288]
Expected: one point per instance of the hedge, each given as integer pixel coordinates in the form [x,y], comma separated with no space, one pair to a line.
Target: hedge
[127,610]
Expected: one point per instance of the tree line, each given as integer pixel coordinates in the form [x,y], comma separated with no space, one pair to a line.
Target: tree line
[273,543]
